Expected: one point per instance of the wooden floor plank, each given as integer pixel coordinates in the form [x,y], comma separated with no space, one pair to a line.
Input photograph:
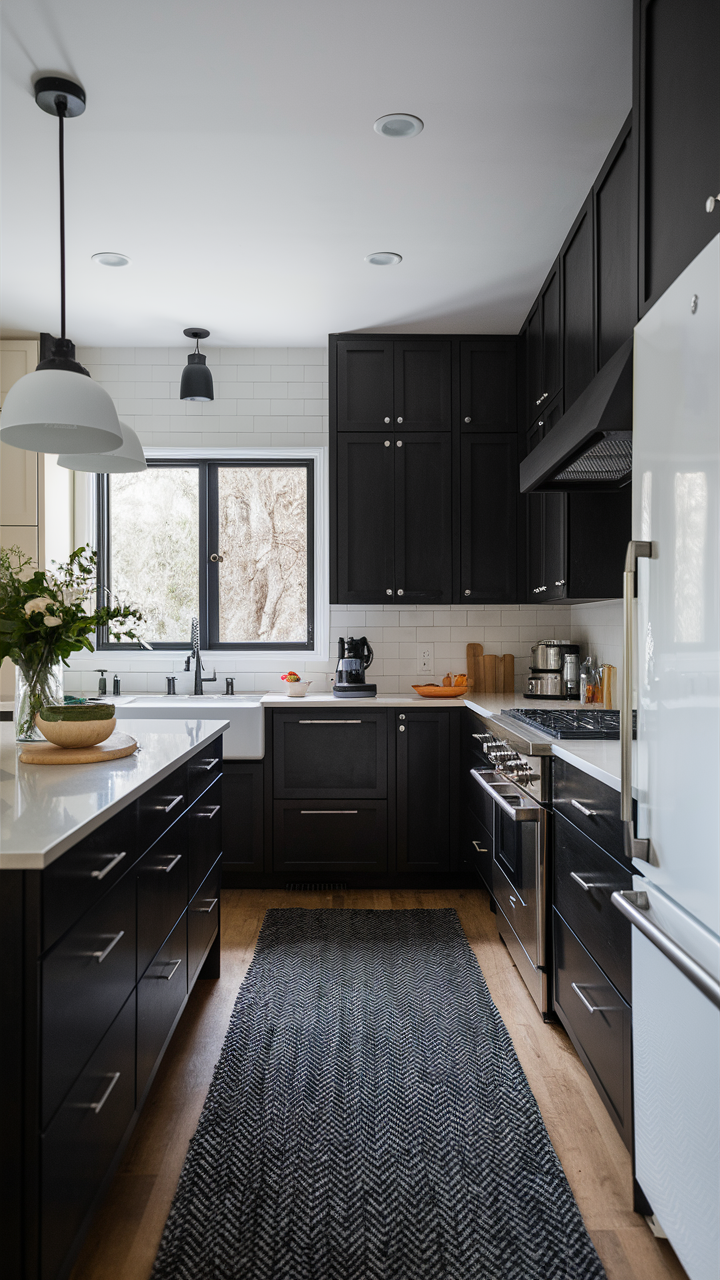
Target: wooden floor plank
[126,1232]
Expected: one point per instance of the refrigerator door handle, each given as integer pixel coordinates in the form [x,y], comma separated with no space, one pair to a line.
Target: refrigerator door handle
[634,848]
[634,907]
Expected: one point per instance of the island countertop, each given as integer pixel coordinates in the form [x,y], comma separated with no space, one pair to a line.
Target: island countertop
[46,809]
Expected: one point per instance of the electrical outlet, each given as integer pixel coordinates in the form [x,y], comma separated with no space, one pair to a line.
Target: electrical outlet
[425,659]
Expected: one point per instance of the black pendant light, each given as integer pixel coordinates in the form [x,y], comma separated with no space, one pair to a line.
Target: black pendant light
[196,382]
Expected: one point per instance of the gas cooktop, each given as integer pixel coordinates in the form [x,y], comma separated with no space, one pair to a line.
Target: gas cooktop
[581,723]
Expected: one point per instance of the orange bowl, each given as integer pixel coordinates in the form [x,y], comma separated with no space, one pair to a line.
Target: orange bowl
[441,690]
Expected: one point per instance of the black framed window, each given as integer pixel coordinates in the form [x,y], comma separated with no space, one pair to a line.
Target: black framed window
[230,543]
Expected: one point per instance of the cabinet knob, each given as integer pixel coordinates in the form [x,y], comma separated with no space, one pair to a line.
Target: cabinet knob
[399,419]
[400,591]
[387,444]
[561,583]
[468,419]
[401,717]
[387,419]
[541,422]
[711,202]
[467,593]
[401,728]
[399,444]
[388,591]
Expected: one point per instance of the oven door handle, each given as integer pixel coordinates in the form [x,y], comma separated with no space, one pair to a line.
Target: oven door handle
[518,813]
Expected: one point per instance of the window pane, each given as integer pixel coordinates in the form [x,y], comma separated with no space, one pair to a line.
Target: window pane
[263,538]
[154,548]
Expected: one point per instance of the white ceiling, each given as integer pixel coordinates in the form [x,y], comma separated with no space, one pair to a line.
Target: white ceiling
[228,148]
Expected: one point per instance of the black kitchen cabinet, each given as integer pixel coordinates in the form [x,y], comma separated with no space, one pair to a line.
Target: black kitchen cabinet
[331,754]
[577,544]
[364,384]
[578,306]
[426,754]
[488,393]
[365,519]
[534,354]
[488,487]
[616,267]
[331,841]
[386,382]
[243,823]
[423,384]
[546,526]
[423,518]
[677,111]
[544,353]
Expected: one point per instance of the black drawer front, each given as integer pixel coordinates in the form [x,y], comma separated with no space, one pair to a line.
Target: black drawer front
[160,995]
[575,791]
[330,754]
[589,912]
[162,891]
[85,981]
[203,919]
[481,803]
[203,769]
[324,838]
[603,1037]
[76,881]
[204,827]
[479,848]
[161,806]
[78,1148]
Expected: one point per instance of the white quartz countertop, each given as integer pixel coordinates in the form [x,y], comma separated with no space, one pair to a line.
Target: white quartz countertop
[46,809]
[328,700]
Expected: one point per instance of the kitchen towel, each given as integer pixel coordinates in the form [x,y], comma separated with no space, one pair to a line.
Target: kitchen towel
[369,1120]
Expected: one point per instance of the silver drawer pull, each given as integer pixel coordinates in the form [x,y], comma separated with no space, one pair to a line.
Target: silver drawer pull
[476,843]
[165,808]
[100,875]
[205,764]
[515,897]
[329,721]
[205,910]
[98,1106]
[166,976]
[328,811]
[597,884]
[170,865]
[100,955]
[592,1008]
[209,813]
[589,813]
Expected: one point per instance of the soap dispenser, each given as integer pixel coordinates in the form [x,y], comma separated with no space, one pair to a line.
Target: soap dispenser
[102,682]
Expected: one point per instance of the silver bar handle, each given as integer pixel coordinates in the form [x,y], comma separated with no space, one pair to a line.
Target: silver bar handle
[100,955]
[205,910]
[167,807]
[302,811]
[98,1106]
[525,813]
[100,875]
[166,976]
[634,905]
[210,812]
[476,844]
[170,865]
[329,721]
[597,884]
[592,1008]
[634,848]
[205,764]
[513,896]
[589,813]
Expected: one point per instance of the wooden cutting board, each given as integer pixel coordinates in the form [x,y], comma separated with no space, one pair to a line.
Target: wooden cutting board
[474,655]
[114,748]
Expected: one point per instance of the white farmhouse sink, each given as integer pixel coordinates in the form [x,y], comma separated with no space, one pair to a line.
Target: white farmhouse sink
[244,740]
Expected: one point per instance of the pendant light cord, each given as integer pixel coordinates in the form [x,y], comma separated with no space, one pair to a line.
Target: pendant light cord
[61,106]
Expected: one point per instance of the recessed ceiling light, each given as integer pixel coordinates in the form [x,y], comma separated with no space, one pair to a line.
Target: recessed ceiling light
[384,259]
[399,125]
[111,259]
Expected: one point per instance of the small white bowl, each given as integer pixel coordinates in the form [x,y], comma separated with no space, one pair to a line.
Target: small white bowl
[297,688]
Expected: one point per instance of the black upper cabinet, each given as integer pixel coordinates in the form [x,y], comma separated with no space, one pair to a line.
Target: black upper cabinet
[488,518]
[615,250]
[365,518]
[364,384]
[578,332]
[423,541]
[551,350]
[677,108]
[488,385]
[534,380]
[423,385]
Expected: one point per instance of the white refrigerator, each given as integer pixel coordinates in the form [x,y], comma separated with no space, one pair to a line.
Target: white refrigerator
[672,638]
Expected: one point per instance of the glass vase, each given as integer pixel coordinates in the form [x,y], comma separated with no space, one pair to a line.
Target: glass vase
[36,686]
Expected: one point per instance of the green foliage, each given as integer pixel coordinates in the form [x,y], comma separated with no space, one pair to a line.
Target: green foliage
[45,616]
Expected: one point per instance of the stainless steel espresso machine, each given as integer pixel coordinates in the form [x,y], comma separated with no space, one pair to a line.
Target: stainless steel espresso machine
[555,670]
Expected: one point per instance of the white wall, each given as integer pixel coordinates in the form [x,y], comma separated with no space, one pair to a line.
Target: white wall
[278,396]
[597,628]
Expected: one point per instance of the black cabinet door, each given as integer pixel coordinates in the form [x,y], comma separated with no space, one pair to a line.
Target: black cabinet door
[364,384]
[551,351]
[365,518]
[160,996]
[423,384]
[332,754]
[677,106]
[488,519]
[578,339]
[316,841]
[488,385]
[535,554]
[423,530]
[534,362]
[242,815]
[615,250]
[423,790]
[555,546]
[598,534]
[203,921]
[162,891]
[584,878]
[204,836]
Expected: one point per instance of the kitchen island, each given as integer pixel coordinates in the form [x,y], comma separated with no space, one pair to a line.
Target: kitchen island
[109,913]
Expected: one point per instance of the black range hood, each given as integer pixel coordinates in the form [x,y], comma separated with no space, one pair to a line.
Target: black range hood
[590,447]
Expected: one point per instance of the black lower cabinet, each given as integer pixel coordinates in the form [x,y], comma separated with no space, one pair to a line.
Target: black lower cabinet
[80,1145]
[424,790]
[204,836]
[478,851]
[162,891]
[160,995]
[598,1021]
[331,841]
[242,823]
[203,921]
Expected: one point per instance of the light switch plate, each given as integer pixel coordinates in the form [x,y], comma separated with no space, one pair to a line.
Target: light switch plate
[426,659]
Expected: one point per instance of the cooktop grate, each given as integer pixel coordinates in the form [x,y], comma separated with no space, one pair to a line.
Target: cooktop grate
[581,723]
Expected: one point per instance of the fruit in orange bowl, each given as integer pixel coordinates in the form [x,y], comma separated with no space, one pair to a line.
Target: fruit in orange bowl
[77,726]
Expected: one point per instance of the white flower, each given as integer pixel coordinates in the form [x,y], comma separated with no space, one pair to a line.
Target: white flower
[38,605]
[52,622]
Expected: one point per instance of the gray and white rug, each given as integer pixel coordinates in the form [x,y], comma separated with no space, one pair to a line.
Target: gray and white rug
[369,1120]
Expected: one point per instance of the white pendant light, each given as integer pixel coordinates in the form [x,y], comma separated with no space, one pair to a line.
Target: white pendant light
[129,457]
[58,408]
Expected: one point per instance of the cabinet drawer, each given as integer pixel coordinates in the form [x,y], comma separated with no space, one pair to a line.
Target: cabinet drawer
[78,1148]
[76,881]
[161,806]
[160,994]
[480,801]
[203,769]
[479,848]
[572,788]
[85,981]
[603,1036]
[332,754]
[162,891]
[589,911]
[323,838]
[203,920]
[204,835]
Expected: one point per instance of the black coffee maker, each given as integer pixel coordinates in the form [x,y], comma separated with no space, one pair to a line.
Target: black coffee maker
[354,656]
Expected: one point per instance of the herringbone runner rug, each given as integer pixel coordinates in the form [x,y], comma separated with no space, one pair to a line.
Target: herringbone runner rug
[369,1120]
